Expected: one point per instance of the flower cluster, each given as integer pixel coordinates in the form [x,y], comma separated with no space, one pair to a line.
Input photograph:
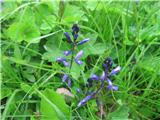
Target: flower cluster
[68,62]
[105,77]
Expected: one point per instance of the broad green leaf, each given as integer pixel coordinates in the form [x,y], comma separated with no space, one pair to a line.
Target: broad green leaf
[41,12]
[76,70]
[26,15]
[53,5]
[120,114]
[96,49]
[72,13]
[92,5]
[23,31]
[53,106]
[55,47]
[48,24]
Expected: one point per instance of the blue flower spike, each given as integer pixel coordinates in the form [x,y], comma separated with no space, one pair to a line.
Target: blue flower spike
[83,41]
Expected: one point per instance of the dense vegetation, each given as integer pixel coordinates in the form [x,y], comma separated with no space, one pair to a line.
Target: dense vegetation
[32,39]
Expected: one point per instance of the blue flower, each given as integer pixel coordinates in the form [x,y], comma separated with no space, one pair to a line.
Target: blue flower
[75,29]
[88,97]
[78,90]
[76,58]
[102,76]
[69,82]
[75,36]
[94,77]
[67,52]
[110,85]
[79,62]
[60,59]
[83,41]
[79,54]
[64,78]
[67,37]
[115,70]
[66,64]
[107,64]
[115,88]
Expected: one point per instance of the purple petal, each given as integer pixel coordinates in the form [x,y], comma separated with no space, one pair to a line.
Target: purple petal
[94,77]
[67,37]
[60,59]
[78,90]
[69,82]
[75,29]
[79,54]
[84,100]
[115,88]
[109,82]
[103,76]
[79,62]
[108,87]
[65,63]
[83,41]
[75,36]
[114,71]
[66,53]
[64,78]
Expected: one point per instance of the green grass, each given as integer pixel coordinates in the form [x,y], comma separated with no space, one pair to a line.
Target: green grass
[127,31]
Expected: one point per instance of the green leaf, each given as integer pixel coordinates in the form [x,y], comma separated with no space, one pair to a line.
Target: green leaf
[48,24]
[23,31]
[72,13]
[91,5]
[96,49]
[5,92]
[76,70]
[120,114]
[54,47]
[26,88]
[147,64]
[53,5]
[53,106]
[17,52]
[41,12]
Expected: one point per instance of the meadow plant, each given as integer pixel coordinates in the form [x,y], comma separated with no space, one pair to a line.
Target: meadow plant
[106,66]
[74,58]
